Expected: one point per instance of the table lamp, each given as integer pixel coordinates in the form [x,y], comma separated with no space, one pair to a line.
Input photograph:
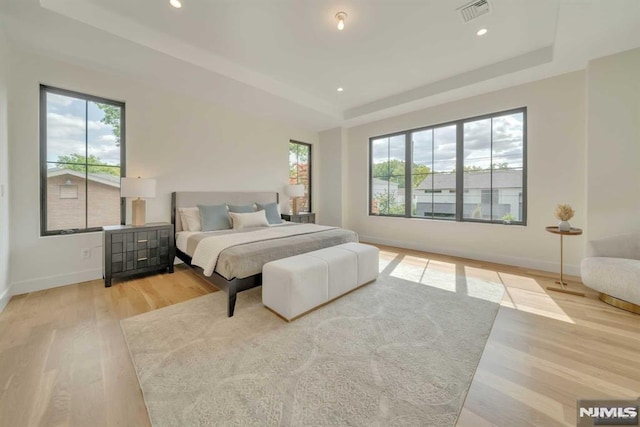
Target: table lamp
[294,191]
[140,188]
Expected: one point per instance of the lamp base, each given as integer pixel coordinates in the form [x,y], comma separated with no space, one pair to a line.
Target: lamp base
[138,212]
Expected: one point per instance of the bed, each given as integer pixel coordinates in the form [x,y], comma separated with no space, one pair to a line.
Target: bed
[238,267]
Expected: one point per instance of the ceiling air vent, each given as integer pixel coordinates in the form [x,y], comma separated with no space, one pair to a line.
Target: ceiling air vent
[473,10]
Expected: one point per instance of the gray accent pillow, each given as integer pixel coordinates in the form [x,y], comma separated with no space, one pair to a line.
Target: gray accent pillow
[214,217]
[271,209]
[242,208]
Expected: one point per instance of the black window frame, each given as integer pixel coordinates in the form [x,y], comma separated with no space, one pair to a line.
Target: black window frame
[310,168]
[44,90]
[459,190]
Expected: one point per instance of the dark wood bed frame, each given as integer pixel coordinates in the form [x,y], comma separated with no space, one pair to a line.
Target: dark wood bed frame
[231,287]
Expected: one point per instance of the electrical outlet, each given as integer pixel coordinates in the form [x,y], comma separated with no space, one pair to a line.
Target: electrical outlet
[85,253]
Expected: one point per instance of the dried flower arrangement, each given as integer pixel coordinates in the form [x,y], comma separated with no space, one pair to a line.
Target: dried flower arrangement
[564,212]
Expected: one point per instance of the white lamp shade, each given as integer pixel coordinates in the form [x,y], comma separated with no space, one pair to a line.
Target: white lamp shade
[295,190]
[138,187]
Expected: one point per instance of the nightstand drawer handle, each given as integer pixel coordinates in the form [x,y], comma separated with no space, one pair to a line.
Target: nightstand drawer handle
[142,259]
[142,241]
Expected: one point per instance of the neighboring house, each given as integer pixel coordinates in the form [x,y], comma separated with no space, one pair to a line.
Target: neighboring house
[67,204]
[401,195]
[302,174]
[302,177]
[380,188]
[437,195]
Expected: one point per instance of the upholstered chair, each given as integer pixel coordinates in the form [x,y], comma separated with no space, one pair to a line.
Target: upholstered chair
[612,267]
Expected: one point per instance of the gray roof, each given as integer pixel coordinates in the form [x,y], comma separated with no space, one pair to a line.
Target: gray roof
[383,183]
[102,178]
[502,178]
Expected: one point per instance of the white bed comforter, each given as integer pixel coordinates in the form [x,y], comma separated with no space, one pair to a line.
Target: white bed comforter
[208,250]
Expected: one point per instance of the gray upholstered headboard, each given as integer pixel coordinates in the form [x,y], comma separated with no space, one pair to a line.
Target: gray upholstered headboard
[186,199]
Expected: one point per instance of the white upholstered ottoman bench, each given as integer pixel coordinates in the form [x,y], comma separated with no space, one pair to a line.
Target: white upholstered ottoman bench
[295,285]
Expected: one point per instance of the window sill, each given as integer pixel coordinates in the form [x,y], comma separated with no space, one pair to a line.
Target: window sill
[447,221]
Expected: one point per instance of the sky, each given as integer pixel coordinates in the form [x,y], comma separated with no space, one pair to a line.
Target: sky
[436,147]
[67,123]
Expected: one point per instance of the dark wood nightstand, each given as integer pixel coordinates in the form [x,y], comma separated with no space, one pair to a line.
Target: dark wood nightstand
[130,250]
[304,217]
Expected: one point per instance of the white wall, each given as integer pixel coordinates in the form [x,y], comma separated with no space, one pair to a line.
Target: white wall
[185,143]
[4,175]
[332,178]
[613,145]
[188,143]
[556,162]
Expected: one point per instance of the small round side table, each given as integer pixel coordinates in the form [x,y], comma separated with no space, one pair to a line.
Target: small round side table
[561,282]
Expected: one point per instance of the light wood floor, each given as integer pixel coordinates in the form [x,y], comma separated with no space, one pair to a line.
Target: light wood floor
[63,360]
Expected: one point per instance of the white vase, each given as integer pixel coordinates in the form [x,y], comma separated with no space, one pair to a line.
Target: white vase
[564,226]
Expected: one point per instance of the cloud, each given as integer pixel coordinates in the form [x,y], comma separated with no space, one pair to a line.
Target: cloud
[397,147]
[66,134]
[437,147]
[107,152]
[60,100]
[97,125]
[57,147]
[392,148]
[504,132]
[66,125]
[110,138]
[379,150]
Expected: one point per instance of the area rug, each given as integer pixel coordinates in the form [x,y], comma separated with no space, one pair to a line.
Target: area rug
[392,353]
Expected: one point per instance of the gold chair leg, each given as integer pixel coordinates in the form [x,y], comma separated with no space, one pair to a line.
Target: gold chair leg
[619,303]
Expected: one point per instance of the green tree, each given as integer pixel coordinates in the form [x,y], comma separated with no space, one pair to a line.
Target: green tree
[298,155]
[508,217]
[387,203]
[112,116]
[476,168]
[420,173]
[394,170]
[77,162]
[299,152]
[471,168]
[501,165]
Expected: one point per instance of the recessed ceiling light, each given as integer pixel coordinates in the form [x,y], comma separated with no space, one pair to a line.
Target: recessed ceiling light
[175,3]
[340,89]
[482,31]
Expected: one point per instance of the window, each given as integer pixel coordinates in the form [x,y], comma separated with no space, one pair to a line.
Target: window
[81,161]
[469,170]
[69,191]
[433,166]
[388,175]
[494,167]
[300,171]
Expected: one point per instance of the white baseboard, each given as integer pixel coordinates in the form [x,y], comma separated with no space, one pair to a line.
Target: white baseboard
[553,267]
[5,297]
[49,282]
[42,283]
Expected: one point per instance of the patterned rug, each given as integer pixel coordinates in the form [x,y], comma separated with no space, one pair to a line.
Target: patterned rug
[392,353]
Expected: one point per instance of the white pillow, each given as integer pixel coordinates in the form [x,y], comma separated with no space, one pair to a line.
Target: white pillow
[250,219]
[190,218]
